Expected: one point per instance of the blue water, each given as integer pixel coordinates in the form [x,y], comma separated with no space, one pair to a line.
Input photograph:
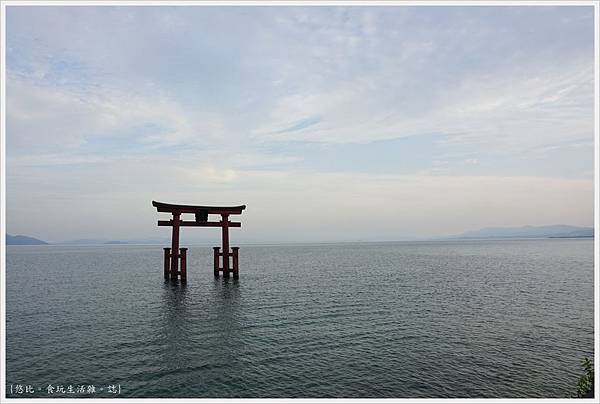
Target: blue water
[510,318]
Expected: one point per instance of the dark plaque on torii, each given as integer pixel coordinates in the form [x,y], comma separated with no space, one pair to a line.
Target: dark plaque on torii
[174,254]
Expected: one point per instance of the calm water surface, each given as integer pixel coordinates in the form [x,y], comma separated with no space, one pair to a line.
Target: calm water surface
[428,319]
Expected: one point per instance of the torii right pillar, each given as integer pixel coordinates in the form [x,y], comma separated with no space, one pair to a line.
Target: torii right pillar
[222,256]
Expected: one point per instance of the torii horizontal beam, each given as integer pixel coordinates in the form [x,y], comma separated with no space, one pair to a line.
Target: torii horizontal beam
[198,224]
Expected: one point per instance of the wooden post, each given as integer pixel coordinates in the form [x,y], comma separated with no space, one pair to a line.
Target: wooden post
[236,269]
[183,253]
[216,260]
[167,268]
[225,242]
[175,246]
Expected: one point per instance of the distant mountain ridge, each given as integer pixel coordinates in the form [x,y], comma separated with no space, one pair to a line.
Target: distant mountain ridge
[559,230]
[23,240]
[91,241]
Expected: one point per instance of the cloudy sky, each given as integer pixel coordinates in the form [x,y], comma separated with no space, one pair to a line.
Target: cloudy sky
[329,123]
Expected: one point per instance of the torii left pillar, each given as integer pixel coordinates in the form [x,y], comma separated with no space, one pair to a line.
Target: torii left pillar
[175,255]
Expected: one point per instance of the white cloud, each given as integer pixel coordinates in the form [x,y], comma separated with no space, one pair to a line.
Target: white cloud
[46,116]
[500,112]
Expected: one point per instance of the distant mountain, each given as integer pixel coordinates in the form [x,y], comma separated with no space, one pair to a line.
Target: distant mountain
[83,241]
[150,240]
[584,232]
[91,241]
[23,240]
[558,230]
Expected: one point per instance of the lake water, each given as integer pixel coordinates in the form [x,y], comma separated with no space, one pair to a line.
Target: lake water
[511,318]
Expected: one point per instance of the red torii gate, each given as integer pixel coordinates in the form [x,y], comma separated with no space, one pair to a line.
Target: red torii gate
[174,254]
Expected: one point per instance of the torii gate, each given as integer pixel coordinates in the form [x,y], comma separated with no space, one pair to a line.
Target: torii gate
[172,257]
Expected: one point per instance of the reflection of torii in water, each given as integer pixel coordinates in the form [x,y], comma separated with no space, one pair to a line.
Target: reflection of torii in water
[173,254]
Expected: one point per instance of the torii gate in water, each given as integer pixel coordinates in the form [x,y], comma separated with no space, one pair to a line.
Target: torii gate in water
[173,255]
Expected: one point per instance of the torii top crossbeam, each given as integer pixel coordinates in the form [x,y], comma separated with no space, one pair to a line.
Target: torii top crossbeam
[201,213]
[172,208]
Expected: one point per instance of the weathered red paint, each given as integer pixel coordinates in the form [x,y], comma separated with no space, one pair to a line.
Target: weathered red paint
[217,254]
[183,273]
[225,243]
[167,262]
[236,267]
[175,246]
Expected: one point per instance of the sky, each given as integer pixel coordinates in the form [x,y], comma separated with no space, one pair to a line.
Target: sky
[330,123]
